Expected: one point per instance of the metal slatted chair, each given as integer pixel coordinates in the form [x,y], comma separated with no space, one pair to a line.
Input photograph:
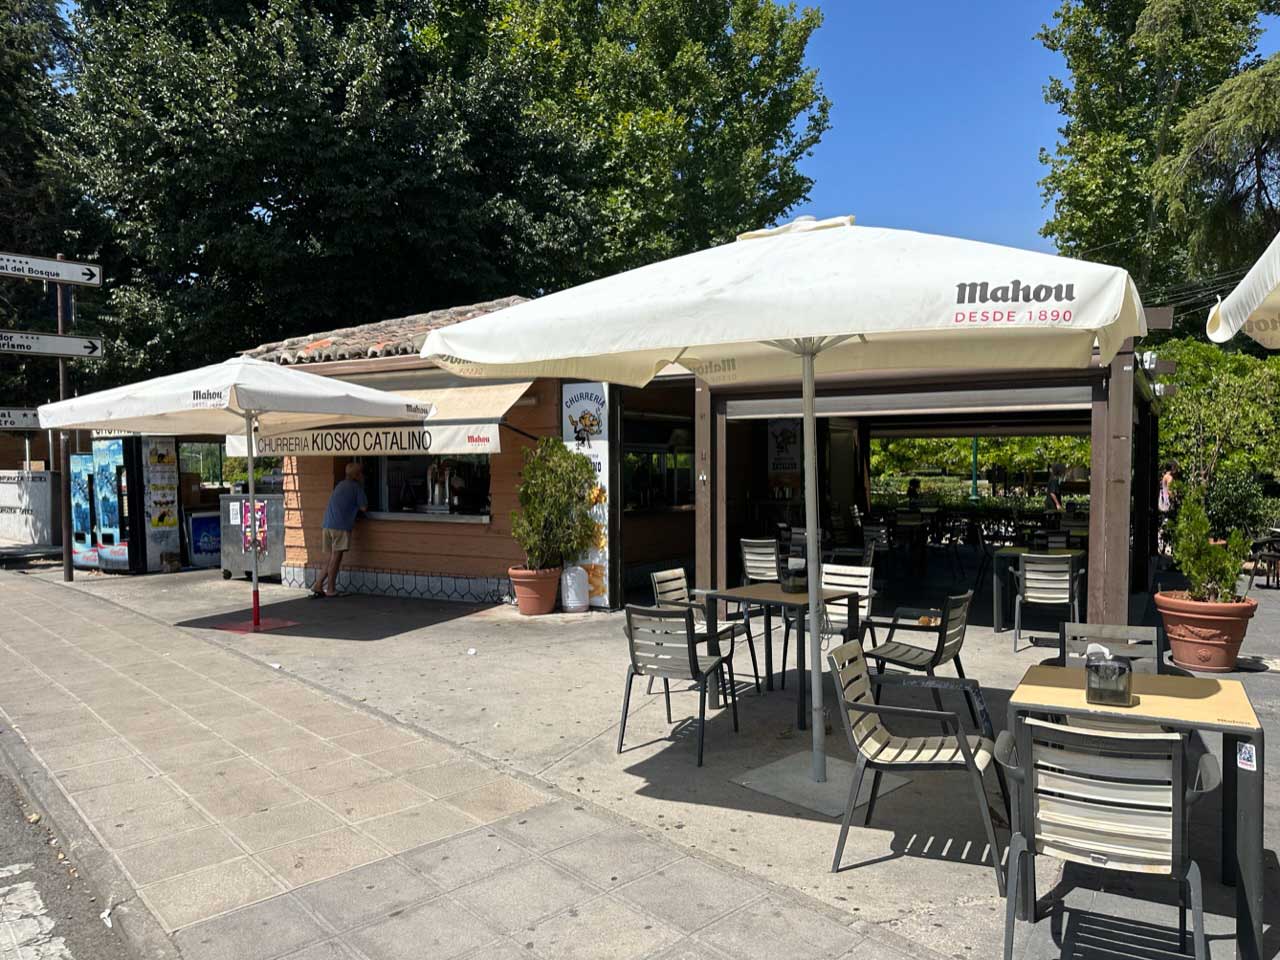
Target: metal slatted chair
[671,589]
[1112,799]
[760,562]
[663,643]
[877,749]
[1045,580]
[948,639]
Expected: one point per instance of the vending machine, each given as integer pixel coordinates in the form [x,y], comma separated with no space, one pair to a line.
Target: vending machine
[84,542]
[135,491]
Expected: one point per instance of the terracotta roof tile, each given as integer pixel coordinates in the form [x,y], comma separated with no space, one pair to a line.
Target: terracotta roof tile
[401,336]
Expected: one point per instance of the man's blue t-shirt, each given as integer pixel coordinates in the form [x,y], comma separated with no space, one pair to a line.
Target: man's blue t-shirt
[346,501]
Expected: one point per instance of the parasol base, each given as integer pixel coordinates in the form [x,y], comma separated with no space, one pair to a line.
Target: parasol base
[246,626]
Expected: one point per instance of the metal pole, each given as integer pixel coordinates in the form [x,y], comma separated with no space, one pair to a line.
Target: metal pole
[65,319]
[973,486]
[253,518]
[813,540]
[26,446]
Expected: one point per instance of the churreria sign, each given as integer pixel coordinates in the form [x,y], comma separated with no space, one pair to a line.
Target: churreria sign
[1022,298]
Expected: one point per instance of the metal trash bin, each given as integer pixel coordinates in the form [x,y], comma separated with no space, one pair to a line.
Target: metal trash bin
[233,511]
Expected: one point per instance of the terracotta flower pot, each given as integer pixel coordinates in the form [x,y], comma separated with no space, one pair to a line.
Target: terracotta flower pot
[1204,636]
[535,589]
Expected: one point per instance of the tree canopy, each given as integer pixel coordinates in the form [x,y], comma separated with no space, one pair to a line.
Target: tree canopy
[266,169]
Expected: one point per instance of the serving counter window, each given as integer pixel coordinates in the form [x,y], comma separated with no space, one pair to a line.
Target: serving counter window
[428,486]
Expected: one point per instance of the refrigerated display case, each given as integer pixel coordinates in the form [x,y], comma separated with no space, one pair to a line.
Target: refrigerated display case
[135,493]
[84,540]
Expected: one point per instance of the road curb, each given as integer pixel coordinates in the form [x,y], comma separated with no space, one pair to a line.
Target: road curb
[94,864]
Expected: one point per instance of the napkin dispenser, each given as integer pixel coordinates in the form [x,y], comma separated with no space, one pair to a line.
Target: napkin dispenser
[792,575]
[1108,678]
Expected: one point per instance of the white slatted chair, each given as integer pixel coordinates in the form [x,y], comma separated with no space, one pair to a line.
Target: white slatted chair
[877,749]
[947,636]
[671,589]
[662,643]
[1112,799]
[1045,580]
[760,562]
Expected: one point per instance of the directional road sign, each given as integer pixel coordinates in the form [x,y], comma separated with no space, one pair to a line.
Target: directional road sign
[55,271]
[19,418]
[49,344]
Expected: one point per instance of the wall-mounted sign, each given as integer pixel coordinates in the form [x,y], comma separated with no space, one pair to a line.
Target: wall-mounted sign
[585,428]
[395,441]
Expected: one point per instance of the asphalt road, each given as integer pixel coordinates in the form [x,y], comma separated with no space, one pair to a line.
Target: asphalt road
[47,910]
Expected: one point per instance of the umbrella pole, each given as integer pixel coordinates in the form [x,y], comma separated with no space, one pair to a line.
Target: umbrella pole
[253,518]
[814,572]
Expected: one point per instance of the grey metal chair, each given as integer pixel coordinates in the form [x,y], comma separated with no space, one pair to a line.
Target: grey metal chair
[877,749]
[1045,580]
[1142,645]
[761,560]
[1112,799]
[947,636]
[663,643]
[671,589]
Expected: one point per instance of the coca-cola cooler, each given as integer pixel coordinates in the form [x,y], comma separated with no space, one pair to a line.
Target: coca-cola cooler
[135,496]
[84,540]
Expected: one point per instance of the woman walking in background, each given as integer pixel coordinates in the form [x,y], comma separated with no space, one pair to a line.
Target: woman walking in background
[1165,503]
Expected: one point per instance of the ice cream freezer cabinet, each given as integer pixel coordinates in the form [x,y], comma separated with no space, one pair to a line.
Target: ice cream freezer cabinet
[237,558]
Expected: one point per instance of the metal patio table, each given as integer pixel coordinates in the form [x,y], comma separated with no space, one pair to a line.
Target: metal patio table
[1005,559]
[1179,703]
[769,595]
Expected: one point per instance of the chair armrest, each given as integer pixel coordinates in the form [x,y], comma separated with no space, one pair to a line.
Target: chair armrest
[1007,756]
[950,722]
[968,686]
[915,613]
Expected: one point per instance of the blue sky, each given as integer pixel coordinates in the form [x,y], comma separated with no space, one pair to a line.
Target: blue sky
[938,116]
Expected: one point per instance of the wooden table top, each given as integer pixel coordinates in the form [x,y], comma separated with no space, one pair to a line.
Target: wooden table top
[1198,702]
[772,593]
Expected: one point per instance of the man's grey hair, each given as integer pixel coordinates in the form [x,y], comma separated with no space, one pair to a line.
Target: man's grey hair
[353,467]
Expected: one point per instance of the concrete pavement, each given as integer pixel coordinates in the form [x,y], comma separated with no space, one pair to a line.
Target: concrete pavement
[257,816]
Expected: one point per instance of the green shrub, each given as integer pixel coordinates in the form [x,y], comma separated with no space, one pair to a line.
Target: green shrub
[1234,501]
[1211,569]
[554,522]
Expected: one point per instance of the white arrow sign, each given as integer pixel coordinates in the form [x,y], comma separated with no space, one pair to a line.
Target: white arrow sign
[56,271]
[18,418]
[49,344]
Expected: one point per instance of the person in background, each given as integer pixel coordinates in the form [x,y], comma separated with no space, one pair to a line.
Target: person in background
[1053,492]
[346,503]
[913,491]
[1165,501]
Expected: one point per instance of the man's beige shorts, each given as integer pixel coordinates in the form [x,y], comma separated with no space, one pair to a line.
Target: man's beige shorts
[336,541]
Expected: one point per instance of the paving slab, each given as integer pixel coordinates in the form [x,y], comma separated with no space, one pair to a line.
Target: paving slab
[603,929]
[368,892]
[440,929]
[524,894]
[320,856]
[689,894]
[459,860]
[270,929]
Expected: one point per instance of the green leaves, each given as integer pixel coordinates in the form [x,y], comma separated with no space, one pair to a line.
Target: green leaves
[1211,569]
[272,168]
[554,525]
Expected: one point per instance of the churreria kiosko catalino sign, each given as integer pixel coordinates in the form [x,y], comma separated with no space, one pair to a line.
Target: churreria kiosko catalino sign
[377,441]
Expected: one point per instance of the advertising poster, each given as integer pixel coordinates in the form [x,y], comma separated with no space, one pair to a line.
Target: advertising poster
[786,455]
[204,535]
[585,428]
[246,527]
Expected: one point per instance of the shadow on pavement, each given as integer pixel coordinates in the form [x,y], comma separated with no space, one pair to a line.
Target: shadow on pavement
[354,617]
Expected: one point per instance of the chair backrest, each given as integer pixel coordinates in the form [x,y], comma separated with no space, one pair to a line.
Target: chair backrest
[1046,578]
[1140,644]
[869,554]
[661,641]
[1108,798]
[1055,539]
[955,620]
[837,576]
[759,559]
[866,731]
[877,533]
[669,587]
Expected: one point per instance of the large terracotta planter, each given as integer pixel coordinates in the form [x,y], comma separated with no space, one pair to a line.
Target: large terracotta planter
[535,589]
[1204,636]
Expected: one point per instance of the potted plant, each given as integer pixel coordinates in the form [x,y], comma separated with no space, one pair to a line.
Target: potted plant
[553,524]
[1205,623]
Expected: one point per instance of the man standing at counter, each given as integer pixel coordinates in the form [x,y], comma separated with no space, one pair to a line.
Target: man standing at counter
[346,503]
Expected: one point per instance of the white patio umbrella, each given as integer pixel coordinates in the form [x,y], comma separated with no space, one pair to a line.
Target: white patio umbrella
[809,298]
[1253,306]
[238,394]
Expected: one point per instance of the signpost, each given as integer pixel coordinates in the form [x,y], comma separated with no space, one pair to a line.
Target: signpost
[65,275]
[54,271]
[49,344]
[18,418]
